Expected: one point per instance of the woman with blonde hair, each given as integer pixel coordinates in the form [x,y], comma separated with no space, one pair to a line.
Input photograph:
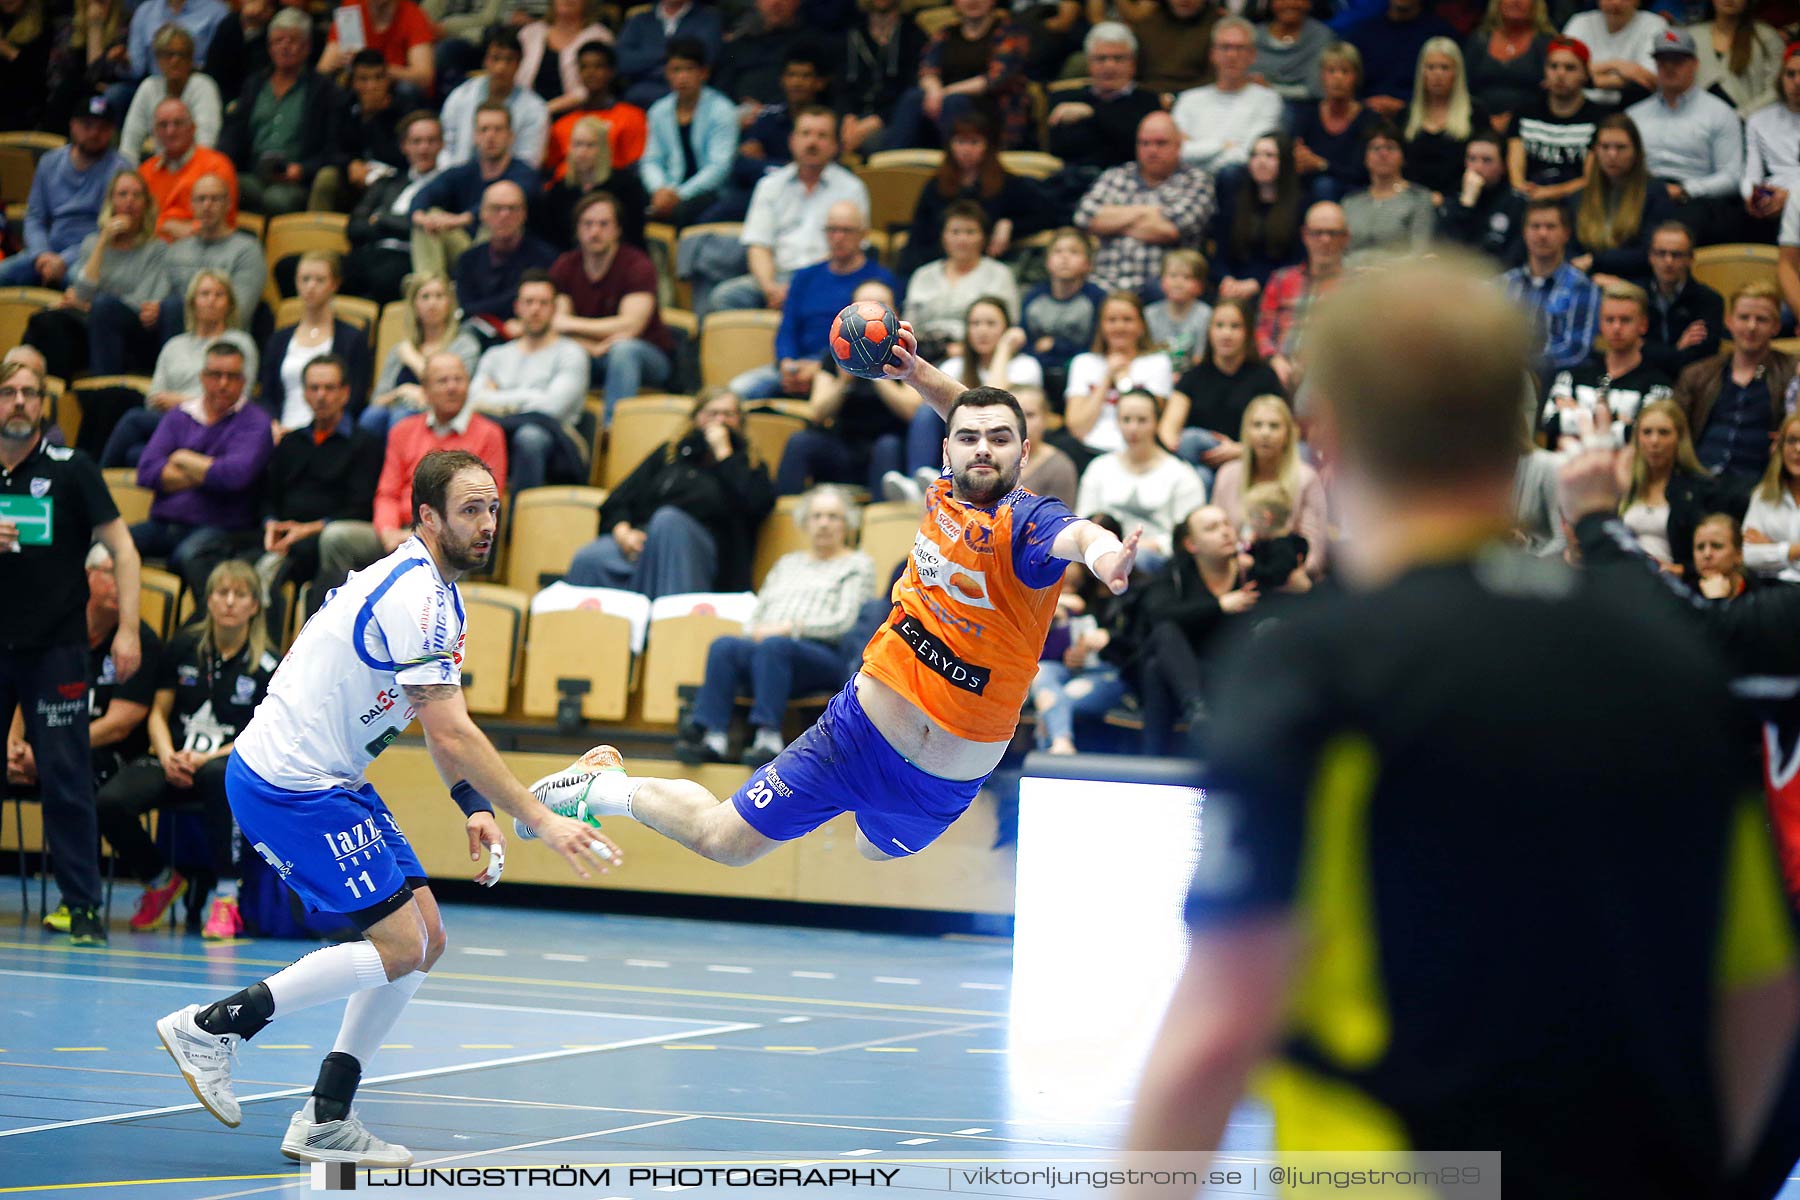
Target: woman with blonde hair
[1504,57]
[212,316]
[211,679]
[1772,524]
[1739,56]
[1618,207]
[122,279]
[1441,119]
[1329,135]
[433,324]
[1271,454]
[586,167]
[1669,490]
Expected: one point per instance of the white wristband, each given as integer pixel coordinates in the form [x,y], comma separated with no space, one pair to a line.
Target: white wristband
[1106,543]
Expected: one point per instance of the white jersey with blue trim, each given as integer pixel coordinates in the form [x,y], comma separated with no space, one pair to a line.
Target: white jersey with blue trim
[336,701]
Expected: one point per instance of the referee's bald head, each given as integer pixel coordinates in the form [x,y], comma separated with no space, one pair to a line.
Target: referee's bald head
[1417,369]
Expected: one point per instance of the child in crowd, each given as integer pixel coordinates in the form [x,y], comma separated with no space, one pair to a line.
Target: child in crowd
[1178,321]
[1274,557]
[1060,315]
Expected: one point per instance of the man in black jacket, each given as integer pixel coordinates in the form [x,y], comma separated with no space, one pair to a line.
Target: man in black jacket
[380,228]
[1487,215]
[278,131]
[365,136]
[1687,318]
[325,472]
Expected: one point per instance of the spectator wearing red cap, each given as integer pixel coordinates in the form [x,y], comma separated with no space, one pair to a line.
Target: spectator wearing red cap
[1772,146]
[1548,152]
[1620,39]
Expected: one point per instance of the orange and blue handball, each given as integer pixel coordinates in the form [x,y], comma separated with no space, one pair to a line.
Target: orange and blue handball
[863,337]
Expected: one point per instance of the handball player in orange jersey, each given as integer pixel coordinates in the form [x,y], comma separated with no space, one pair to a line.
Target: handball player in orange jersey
[914,734]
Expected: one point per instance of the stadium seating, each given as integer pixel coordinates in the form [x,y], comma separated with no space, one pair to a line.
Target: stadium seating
[1727,268]
[640,425]
[734,341]
[682,628]
[494,645]
[548,525]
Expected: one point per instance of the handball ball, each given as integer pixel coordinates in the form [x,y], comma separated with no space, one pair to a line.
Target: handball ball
[863,337]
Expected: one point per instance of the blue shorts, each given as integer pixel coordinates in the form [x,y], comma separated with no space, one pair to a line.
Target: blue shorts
[843,764]
[340,849]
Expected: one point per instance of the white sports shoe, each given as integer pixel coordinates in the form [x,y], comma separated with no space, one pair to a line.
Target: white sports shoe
[566,792]
[205,1060]
[347,1140]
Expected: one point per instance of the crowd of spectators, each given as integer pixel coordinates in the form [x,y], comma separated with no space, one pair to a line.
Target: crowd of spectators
[1147,299]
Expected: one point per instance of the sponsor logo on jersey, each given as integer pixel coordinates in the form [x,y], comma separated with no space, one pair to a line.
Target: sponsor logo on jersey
[385,702]
[282,866]
[40,487]
[187,673]
[245,689]
[965,585]
[939,658]
[948,524]
[978,536]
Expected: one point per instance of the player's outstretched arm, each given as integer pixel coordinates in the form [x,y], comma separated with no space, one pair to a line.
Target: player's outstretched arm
[1105,555]
[904,364]
[460,752]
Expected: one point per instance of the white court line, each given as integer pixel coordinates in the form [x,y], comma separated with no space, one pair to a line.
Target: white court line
[518,1008]
[645,962]
[813,974]
[985,987]
[971,1130]
[917,1141]
[400,1077]
[857,1153]
[565,958]
[483,952]
[896,979]
[573,1137]
[723,969]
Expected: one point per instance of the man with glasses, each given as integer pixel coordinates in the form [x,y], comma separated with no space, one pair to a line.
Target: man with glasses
[178,164]
[488,273]
[1220,120]
[445,211]
[53,505]
[319,474]
[176,78]
[1292,291]
[205,463]
[1095,126]
[1687,318]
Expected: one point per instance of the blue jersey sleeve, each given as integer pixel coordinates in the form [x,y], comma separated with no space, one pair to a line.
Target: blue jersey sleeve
[412,630]
[1036,520]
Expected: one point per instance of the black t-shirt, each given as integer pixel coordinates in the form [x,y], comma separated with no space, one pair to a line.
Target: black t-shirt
[104,687]
[58,497]
[864,415]
[1217,401]
[1506,800]
[1582,388]
[1556,147]
[214,697]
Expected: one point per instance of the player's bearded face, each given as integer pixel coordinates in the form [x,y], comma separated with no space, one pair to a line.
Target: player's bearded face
[986,455]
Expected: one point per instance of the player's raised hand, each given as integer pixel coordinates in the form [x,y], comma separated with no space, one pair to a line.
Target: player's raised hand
[904,357]
[1590,483]
[576,840]
[485,831]
[1114,568]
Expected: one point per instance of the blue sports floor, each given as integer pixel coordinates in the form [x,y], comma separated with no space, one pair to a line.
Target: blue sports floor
[542,1037]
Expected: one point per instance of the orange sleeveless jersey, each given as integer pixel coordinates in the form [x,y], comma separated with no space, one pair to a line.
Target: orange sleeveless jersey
[971,610]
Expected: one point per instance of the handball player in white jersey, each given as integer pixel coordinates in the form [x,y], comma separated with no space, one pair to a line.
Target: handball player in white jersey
[387,646]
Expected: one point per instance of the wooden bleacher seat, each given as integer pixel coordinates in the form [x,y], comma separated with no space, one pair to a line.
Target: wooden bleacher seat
[888,530]
[18,166]
[159,594]
[549,524]
[296,233]
[495,645]
[682,629]
[1727,268]
[734,341]
[894,189]
[1033,164]
[768,434]
[17,306]
[684,292]
[390,331]
[639,426]
[593,640]
[779,535]
[659,240]
[352,310]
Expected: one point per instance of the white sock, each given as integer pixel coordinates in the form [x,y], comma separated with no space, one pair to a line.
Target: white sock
[371,1014]
[328,974]
[716,742]
[611,793]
